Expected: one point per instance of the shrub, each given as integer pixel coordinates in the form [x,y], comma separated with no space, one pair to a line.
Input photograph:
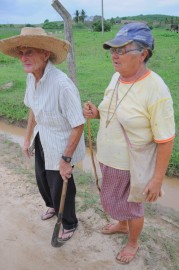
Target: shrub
[50,25]
[97,26]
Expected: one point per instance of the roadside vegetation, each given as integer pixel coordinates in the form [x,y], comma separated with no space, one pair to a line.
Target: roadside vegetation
[94,71]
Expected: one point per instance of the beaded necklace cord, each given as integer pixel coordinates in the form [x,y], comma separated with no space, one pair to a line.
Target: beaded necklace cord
[108,120]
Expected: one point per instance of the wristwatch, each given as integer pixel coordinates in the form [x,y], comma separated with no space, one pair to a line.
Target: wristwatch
[66,159]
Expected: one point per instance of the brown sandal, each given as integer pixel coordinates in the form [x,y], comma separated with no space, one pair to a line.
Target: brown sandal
[63,240]
[48,214]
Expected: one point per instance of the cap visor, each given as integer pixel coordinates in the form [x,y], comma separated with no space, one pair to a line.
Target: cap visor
[116,43]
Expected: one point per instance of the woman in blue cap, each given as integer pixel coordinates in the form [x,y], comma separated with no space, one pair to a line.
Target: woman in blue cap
[139,100]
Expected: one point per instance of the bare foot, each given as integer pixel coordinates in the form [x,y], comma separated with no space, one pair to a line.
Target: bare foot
[114,228]
[127,254]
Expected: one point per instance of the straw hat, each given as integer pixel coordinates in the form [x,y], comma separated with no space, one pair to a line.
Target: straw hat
[36,37]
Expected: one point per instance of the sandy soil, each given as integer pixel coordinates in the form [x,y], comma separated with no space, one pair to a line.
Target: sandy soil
[25,239]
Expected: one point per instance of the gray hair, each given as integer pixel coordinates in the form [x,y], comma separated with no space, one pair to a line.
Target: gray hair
[141,46]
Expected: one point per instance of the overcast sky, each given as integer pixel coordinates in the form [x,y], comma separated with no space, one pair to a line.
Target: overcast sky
[37,11]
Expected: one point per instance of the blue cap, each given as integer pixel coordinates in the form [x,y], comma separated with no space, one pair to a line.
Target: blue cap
[131,32]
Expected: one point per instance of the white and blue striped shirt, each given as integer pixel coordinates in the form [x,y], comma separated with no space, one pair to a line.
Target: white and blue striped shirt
[57,108]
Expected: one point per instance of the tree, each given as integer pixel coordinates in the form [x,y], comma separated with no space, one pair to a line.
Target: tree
[97,18]
[82,16]
[76,18]
[112,21]
[117,20]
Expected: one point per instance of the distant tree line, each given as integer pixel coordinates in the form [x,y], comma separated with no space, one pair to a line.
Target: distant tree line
[80,19]
[172,20]
[152,18]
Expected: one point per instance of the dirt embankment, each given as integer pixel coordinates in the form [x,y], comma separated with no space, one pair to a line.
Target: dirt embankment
[25,239]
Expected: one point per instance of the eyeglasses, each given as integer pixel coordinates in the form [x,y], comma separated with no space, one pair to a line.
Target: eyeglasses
[121,51]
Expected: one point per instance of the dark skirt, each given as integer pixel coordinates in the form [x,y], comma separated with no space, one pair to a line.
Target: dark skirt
[114,194]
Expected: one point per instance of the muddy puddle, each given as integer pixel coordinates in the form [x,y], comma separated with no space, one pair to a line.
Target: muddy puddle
[170,185]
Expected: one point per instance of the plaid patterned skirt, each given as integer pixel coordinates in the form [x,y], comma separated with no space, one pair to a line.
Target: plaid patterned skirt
[114,194]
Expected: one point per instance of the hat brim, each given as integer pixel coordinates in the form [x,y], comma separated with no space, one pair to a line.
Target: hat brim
[116,43]
[58,48]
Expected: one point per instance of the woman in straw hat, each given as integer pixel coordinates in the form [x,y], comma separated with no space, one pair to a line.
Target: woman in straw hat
[136,110]
[55,119]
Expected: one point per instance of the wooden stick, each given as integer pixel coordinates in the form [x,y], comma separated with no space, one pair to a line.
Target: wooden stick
[92,159]
[91,152]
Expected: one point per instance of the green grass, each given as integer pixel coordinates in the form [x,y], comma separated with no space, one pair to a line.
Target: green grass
[94,71]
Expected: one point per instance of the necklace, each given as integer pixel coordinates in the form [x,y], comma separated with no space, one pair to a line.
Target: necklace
[108,120]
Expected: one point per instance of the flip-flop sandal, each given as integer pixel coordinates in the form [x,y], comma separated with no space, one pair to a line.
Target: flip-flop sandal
[64,240]
[106,230]
[48,214]
[126,254]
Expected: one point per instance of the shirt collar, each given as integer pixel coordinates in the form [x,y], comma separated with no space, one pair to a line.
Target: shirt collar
[48,67]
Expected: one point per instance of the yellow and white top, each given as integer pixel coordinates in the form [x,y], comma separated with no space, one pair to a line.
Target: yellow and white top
[146,113]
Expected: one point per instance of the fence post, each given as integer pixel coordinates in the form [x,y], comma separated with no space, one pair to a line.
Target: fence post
[68,36]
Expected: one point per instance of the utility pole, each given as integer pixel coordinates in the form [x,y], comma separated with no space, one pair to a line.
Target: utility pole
[68,36]
[102,17]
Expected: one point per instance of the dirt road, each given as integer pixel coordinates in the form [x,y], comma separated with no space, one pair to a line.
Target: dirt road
[25,239]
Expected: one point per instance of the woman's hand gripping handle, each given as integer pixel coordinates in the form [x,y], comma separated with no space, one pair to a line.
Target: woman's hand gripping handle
[90,110]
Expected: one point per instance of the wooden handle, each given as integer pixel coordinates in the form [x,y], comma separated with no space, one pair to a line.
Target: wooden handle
[63,196]
[91,152]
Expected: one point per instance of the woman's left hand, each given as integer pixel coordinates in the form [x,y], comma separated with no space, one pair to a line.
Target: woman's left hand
[153,190]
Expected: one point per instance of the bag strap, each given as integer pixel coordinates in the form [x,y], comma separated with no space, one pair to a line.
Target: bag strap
[126,136]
